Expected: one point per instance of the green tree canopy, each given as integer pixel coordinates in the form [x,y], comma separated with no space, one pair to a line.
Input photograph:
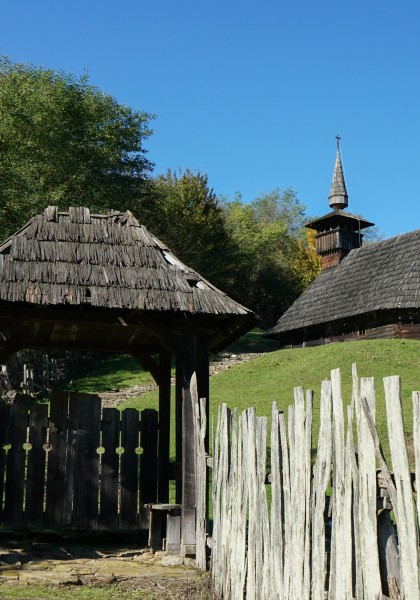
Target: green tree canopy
[64,142]
[185,213]
[268,233]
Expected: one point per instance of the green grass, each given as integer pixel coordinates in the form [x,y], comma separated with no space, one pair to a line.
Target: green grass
[109,372]
[127,591]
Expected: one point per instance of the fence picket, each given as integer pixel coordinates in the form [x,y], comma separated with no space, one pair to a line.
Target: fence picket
[416,438]
[404,508]
[276,542]
[322,474]
[340,579]
[367,493]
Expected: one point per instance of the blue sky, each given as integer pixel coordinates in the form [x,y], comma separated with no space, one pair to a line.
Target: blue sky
[253,93]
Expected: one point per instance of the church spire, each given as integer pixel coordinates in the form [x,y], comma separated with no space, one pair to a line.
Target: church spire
[338,194]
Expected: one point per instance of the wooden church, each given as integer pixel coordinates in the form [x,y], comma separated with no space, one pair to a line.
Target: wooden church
[362,292]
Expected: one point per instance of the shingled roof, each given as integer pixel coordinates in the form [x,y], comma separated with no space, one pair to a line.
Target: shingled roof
[106,261]
[379,276]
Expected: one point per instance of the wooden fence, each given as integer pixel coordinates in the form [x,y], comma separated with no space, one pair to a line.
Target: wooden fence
[290,540]
[74,465]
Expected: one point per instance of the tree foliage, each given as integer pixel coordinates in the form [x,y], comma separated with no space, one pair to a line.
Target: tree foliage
[267,233]
[185,213]
[64,142]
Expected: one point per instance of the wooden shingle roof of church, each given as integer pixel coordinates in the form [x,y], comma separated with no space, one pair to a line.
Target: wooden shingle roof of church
[379,276]
[107,261]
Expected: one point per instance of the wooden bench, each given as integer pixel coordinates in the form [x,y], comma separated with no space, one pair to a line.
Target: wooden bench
[165,527]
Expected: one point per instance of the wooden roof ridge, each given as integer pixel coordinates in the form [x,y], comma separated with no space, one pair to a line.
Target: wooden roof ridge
[107,260]
[377,276]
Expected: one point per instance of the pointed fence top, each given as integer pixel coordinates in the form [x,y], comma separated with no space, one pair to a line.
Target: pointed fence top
[338,197]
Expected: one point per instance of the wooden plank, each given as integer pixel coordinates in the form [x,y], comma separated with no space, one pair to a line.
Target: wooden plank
[188,450]
[129,468]
[72,489]
[367,491]
[307,458]
[262,521]
[178,430]
[251,470]
[56,467]
[86,463]
[148,463]
[341,557]
[322,475]
[109,468]
[416,438]
[4,428]
[404,508]
[16,458]
[276,521]
[200,424]
[164,424]
[35,492]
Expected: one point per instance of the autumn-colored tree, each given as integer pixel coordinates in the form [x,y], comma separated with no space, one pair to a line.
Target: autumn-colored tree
[307,263]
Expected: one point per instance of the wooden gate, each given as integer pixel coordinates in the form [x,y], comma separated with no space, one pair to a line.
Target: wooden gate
[74,465]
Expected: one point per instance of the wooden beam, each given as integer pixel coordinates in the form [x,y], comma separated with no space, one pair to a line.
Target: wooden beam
[148,362]
[189,363]
[178,430]
[164,425]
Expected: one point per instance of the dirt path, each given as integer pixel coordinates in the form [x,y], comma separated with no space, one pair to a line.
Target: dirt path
[71,564]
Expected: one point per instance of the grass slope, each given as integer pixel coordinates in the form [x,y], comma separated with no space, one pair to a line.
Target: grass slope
[273,376]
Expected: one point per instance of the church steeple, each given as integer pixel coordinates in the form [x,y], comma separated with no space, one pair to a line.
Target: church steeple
[338,232]
[338,197]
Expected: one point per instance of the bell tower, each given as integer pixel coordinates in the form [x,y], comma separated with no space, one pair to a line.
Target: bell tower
[338,232]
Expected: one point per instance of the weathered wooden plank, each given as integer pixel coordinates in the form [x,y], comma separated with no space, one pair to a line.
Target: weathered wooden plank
[341,565]
[322,475]
[56,468]
[35,484]
[200,424]
[367,492]
[298,496]
[4,428]
[16,458]
[129,469]
[251,469]
[178,430]
[86,477]
[287,510]
[188,450]
[148,463]
[308,493]
[109,469]
[74,454]
[416,438]
[276,520]
[164,424]
[404,508]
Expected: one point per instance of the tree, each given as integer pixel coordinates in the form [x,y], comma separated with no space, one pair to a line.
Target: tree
[307,263]
[267,231]
[64,142]
[185,213]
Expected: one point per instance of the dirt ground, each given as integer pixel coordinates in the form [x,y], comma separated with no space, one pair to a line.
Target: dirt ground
[54,561]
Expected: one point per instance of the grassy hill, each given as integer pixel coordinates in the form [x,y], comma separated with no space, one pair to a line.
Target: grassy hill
[273,376]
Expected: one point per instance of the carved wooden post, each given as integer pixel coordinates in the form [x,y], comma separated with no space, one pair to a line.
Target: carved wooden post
[189,363]
[164,425]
